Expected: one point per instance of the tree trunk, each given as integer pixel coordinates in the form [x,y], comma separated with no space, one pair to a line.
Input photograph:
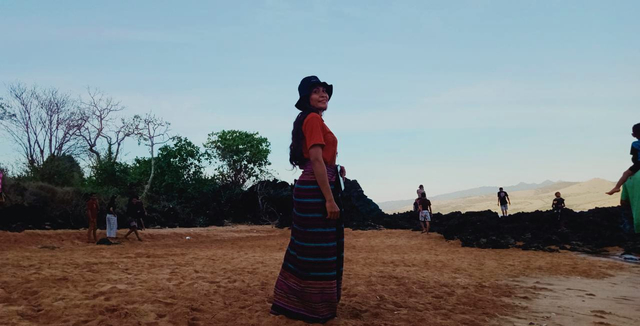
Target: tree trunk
[148,185]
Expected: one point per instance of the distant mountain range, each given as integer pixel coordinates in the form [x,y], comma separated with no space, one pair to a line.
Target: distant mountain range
[524,197]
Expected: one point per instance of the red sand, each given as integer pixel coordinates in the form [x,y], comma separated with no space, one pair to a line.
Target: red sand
[225,276]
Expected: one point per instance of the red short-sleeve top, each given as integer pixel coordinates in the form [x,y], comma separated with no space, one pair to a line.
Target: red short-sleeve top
[317,133]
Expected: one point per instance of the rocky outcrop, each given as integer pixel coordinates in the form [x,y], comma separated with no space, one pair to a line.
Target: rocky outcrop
[270,202]
[588,231]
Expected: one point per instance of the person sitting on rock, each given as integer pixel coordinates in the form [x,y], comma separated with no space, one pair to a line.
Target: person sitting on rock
[630,197]
[635,158]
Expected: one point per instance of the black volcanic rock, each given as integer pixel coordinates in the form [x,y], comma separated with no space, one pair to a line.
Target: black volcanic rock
[360,212]
[271,203]
[584,231]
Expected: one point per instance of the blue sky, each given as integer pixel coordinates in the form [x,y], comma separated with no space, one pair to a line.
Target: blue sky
[452,95]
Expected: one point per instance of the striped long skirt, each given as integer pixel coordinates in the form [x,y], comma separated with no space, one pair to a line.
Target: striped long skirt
[309,285]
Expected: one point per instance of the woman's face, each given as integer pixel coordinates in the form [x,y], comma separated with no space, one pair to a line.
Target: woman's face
[319,98]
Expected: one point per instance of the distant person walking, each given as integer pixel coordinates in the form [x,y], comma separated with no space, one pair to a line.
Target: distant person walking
[424,207]
[558,205]
[635,159]
[309,285]
[135,213]
[504,202]
[112,218]
[420,191]
[92,214]
[631,197]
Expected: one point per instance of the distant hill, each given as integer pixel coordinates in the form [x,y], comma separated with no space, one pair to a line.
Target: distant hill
[401,205]
[524,197]
[492,190]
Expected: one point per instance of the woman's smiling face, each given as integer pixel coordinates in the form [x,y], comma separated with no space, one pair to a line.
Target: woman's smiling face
[319,98]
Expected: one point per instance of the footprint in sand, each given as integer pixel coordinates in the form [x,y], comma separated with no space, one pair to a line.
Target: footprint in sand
[623,298]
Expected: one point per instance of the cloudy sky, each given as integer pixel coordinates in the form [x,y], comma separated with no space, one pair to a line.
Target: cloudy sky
[452,95]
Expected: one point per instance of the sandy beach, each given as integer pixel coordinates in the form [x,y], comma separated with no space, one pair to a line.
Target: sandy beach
[225,276]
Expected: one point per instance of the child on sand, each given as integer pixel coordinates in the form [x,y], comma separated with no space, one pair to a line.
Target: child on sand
[92,214]
[135,211]
[635,149]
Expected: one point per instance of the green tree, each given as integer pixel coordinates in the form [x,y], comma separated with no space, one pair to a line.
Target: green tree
[62,171]
[180,162]
[178,170]
[241,155]
[110,175]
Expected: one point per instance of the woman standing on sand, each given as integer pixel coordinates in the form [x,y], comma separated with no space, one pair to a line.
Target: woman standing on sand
[309,285]
[112,218]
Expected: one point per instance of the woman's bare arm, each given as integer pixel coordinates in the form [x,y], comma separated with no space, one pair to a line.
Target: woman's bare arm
[320,171]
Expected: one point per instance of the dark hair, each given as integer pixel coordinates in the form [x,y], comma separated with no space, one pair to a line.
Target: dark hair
[636,129]
[423,195]
[112,203]
[421,187]
[296,154]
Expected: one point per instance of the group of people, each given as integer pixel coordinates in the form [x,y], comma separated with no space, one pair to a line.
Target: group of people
[135,217]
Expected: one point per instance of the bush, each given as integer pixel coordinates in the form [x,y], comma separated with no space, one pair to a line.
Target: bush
[37,205]
[62,171]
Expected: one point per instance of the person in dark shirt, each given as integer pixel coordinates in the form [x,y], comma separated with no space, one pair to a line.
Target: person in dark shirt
[635,159]
[558,203]
[424,207]
[557,206]
[503,202]
[135,212]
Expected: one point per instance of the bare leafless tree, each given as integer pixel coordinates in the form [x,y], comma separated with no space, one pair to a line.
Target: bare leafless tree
[153,132]
[42,122]
[101,129]
[4,112]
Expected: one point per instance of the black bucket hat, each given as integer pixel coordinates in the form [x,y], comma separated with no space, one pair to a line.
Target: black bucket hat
[306,85]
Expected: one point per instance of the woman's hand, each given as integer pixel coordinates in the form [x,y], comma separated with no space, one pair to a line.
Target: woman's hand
[343,171]
[333,212]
